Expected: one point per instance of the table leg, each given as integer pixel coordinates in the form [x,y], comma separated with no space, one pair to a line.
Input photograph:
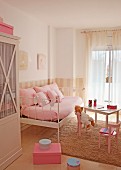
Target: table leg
[117,116]
[107,120]
[95,117]
[84,110]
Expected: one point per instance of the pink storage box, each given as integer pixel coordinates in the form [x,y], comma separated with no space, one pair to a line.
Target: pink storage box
[5,28]
[47,156]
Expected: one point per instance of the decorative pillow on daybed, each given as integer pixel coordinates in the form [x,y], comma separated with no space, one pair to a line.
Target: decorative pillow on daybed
[27,96]
[52,92]
[42,99]
[55,87]
[60,95]
[42,89]
[52,95]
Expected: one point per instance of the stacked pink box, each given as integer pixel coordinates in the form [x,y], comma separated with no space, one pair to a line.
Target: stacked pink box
[5,28]
[1,19]
[52,155]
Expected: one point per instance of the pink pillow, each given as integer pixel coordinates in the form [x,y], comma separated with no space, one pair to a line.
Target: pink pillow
[52,95]
[59,94]
[42,99]
[42,89]
[27,96]
[54,86]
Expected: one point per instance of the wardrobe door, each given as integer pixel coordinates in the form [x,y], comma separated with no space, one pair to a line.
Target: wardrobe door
[10,138]
[8,100]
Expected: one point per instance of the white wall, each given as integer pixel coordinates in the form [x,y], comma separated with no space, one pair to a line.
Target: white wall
[64,53]
[80,54]
[63,47]
[70,50]
[34,39]
[51,52]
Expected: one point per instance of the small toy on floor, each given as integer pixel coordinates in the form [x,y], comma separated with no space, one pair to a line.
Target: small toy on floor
[85,118]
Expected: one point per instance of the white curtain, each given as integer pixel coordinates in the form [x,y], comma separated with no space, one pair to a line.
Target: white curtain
[96,43]
[116,80]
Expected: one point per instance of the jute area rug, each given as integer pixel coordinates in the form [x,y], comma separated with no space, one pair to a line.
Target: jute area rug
[86,145]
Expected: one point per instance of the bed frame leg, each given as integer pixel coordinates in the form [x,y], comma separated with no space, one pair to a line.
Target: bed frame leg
[58,135]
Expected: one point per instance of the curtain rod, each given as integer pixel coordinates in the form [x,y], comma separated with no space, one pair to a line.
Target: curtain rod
[101,30]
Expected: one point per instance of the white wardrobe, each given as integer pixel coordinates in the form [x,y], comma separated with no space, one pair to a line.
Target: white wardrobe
[10,136]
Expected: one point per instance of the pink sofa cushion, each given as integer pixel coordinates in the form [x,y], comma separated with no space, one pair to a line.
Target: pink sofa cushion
[42,99]
[27,96]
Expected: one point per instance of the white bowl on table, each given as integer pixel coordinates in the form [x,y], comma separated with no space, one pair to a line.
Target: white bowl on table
[44,143]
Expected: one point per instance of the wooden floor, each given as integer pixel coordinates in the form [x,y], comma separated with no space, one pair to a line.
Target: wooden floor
[32,135]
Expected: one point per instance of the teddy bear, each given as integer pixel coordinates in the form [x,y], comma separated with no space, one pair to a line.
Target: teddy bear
[85,118]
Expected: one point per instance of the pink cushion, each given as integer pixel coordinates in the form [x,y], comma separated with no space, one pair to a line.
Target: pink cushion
[106,130]
[52,95]
[47,88]
[27,96]
[42,89]
[60,95]
[54,86]
[42,99]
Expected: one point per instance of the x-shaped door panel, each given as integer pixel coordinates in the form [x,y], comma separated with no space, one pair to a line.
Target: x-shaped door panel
[6,75]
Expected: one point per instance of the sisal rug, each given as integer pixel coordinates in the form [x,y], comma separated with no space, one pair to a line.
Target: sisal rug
[86,145]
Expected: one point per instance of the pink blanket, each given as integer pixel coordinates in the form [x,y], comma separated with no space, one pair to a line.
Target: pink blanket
[51,113]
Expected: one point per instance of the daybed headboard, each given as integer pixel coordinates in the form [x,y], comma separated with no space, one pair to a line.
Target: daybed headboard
[75,86]
[33,83]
